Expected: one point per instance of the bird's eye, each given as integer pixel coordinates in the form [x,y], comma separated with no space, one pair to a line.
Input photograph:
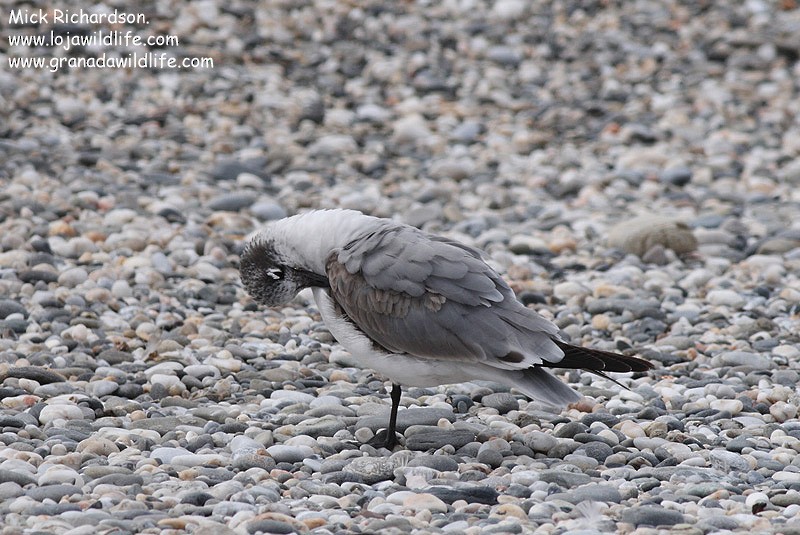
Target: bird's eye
[275,274]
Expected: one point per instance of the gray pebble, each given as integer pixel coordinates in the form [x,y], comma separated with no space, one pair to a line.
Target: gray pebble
[269,526]
[677,176]
[564,479]
[540,442]
[73,277]
[441,463]
[470,494]
[651,516]
[164,424]
[502,401]
[490,457]
[268,210]
[326,426]
[739,443]
[230,170]
[245,460]
[289,454]
[595,450]
[727,461]
[371,470]
[52,492]
[232,202]
[8,307]
[438,439]
[407,418]
[10,489]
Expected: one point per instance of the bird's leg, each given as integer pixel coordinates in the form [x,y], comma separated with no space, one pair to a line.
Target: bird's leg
[390,440]
[391,436]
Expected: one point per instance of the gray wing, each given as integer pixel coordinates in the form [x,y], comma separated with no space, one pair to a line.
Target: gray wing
[436,298]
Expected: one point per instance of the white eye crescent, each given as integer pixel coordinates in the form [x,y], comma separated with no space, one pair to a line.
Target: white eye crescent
[275,273]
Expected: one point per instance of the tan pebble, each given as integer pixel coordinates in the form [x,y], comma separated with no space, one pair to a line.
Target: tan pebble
[630,429]
[790,294]
[166,346]
[424,501]
[641,233]
[190,474]
[20,402]
[61,228]
[601,322]
[508,510]
[98,295]
[608,290]
[98,446]
[277,516]
[720,494]
[314,523]
[175,523]
[583,405]
[519,273]
[444,423]
[559,245]
[339,375]
[96,236]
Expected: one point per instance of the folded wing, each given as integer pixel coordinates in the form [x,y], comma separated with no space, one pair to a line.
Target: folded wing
[435,298]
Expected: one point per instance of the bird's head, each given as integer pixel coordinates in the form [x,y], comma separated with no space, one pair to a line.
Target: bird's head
[270,276]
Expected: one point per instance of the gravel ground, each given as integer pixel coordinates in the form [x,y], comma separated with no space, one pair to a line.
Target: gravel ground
[633,168]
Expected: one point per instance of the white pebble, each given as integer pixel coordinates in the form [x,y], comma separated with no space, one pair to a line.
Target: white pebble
[73,277]
[121,289]
[292,395]
[60,475]
[569,289]
[725,298]
[734,406]
[60,412]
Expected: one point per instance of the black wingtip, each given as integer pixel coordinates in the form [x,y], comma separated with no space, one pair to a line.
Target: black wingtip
[587,358]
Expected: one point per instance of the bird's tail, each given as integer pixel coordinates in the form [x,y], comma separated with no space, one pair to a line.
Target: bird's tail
[596,360]
[538,384]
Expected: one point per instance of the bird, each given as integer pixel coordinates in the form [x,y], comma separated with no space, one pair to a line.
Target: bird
[420,309]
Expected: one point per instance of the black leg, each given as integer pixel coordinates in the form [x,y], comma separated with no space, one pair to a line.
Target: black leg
[391,436]
[387,438]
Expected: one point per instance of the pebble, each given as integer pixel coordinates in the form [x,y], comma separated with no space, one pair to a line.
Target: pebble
[725,298]
[51,413]
[370,469]
[651,516]
[289,454]
[638,235]
[503,402]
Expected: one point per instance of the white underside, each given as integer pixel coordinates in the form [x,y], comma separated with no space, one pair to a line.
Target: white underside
[402,368]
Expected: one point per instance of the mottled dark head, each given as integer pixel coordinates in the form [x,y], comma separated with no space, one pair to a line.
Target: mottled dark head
[269,277]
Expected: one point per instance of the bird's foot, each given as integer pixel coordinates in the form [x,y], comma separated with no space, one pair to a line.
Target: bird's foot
[384,439]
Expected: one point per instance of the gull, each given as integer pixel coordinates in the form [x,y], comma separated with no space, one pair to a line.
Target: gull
[420,309]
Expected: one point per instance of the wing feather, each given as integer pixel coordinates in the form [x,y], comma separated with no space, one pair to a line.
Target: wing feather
[435,298]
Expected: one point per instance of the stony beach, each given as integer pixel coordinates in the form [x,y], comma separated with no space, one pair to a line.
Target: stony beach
[631,168]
